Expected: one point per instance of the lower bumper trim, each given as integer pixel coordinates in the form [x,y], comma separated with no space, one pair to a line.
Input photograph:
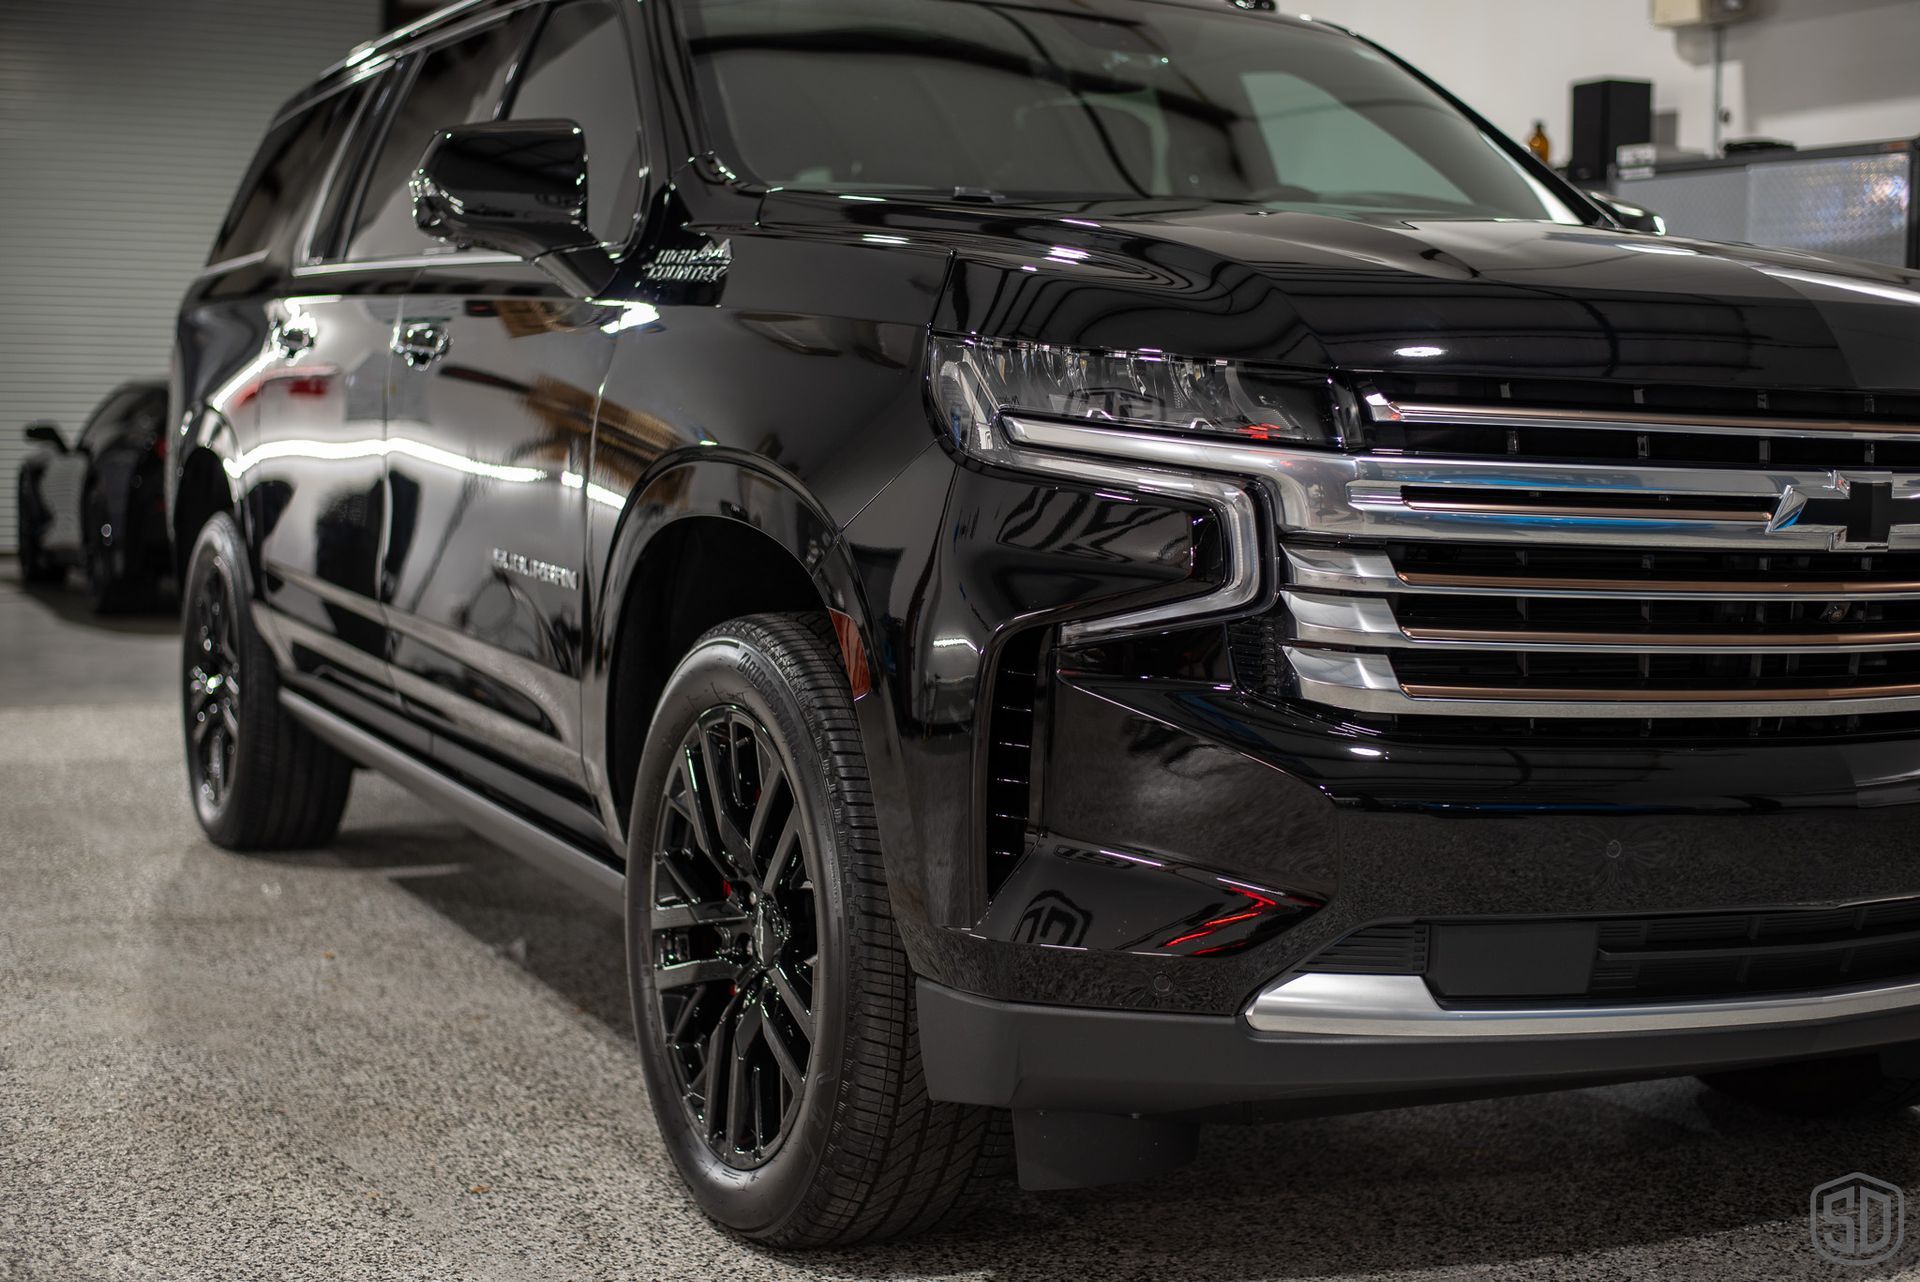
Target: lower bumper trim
[977,1050]
[1403,1006]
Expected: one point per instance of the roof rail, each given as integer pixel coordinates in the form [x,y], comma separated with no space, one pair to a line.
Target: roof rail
[398,35]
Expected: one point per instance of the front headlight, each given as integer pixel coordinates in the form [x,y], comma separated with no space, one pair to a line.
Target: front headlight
[975,380]
[1135,423]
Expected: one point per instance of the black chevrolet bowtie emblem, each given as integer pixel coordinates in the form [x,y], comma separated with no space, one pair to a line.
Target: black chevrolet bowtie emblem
[1866,512]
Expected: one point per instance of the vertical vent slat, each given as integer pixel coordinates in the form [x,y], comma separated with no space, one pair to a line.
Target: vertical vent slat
[1010,738]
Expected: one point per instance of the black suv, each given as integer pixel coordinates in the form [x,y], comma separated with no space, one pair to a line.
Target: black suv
[1078,569]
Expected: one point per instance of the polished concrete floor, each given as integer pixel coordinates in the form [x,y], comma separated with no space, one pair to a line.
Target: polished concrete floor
[406,1057]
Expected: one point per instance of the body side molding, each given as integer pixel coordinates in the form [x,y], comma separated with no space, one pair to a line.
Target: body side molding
[495,822]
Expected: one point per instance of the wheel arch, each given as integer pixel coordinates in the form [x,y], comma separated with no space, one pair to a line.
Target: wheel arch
[701,540]
[201,482]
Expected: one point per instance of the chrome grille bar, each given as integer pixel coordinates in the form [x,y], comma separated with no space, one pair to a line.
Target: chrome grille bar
[1356,570]
[1367,683]
[1384,410]
[1370,621]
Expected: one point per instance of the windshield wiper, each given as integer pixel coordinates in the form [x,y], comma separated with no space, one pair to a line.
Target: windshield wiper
[985,195]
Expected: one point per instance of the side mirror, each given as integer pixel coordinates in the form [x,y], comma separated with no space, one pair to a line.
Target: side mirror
[47,433]
[1632,217]
[519,186]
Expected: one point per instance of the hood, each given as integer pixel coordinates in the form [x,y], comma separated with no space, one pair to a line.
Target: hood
[1501,299]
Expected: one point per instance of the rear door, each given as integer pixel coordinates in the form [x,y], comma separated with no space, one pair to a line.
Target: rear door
[488,432]
[318,477]
[308,410]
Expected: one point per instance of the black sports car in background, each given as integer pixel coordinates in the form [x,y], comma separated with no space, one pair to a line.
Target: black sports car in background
[100,504]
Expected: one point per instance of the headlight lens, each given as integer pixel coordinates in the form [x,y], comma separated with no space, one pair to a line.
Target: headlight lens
[975,380]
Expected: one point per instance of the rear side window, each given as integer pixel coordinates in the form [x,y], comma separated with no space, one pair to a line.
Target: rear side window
[284,175]
[581,70]
[110,417]
[457,83]
[147,415]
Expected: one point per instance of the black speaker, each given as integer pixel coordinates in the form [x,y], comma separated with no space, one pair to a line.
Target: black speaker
[1608,114]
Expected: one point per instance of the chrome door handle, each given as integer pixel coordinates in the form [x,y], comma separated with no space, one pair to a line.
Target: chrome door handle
[292,338]
[421,345]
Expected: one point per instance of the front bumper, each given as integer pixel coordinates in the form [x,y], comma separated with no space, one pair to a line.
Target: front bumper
[1192,837]
[1145,778]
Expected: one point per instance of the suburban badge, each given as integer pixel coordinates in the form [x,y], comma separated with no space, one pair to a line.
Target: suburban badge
[539,571]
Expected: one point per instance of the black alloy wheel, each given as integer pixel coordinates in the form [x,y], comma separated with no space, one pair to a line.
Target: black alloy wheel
[212,707]
[105,583]
[259,780]
[772,995]
[110,568]
[736,931]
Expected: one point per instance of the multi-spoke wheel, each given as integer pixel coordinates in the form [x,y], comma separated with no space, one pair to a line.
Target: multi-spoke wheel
[259,780]
[736,939]
[772,997]
[108,569]
[213,692]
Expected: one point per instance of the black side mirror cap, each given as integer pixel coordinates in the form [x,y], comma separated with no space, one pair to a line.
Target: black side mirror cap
[1631,217]
[517,186]
[47,432]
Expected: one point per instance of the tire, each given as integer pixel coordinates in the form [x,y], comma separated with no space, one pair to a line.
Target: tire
[35,567]
[758,720]
[1821,1087]
[111,582]
[258,779]
[109,593]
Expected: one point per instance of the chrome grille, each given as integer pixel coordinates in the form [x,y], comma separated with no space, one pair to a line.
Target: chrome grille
[1776,577]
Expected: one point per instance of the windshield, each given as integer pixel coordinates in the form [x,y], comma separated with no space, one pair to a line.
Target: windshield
[1056,99]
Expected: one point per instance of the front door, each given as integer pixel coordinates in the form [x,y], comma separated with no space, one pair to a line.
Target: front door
[488,430]
[490,423]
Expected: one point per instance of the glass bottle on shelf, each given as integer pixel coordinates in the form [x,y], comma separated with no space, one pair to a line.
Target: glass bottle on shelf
[1540,145]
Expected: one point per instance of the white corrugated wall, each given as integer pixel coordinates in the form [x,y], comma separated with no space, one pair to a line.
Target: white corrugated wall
[124,126]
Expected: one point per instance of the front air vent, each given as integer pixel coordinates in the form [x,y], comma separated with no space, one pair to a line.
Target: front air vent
[1398,948]
[1763,953]
[1622,960]
[1010,755]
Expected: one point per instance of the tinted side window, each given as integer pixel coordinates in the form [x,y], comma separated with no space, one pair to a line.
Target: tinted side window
[283,176]
[147,416]
[106,420]
[581,70]
[457,83]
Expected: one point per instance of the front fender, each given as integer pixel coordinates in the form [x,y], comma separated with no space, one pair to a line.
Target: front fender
[736,486]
